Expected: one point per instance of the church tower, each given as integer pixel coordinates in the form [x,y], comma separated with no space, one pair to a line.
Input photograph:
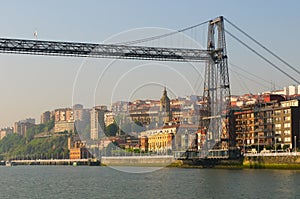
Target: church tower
[165,107]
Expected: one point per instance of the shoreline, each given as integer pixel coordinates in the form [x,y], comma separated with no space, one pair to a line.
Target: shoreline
[243,162]
[187,166]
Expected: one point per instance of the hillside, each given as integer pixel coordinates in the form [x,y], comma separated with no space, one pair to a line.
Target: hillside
[14,146]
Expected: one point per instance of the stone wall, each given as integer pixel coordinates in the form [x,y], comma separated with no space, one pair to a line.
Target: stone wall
[138,161]
[290,161]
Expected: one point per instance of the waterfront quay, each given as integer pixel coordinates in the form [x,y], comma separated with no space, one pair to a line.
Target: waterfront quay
[56,162]
[284,160]
[105,160]
[280,160]
[157,160]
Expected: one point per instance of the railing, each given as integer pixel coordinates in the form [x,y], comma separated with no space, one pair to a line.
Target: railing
[272,154]
[138,157]
[49,160]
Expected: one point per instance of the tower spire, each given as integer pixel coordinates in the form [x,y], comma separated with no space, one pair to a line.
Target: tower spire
[165,106]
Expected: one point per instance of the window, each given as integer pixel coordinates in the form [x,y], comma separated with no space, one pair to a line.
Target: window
[278,132]
[287,132]
[269,120]
[287,139]
[277,112]
[287,125]
[287,111]
[277,119]
[277,125]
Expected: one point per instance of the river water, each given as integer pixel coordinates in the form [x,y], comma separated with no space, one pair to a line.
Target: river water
[105,182]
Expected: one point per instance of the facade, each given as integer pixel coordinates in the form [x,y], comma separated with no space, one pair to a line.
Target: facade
[154,113]
[286,124]
[144,111]
[271,125]
[97,122]
[5,131]
[185,110]
[45,117]
[109,118]
[80,113]
[22,126]
[150,113]
[144,143]
[77,149]
[173,136]
[64,120]
[63,126]
[63,114]
[81,118]
[119,107]
[161,140]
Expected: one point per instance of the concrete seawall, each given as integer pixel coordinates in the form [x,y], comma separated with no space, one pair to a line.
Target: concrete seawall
[138,161]
[284,162]
[280,162]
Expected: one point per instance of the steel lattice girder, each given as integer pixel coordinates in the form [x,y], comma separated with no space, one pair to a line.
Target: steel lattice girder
[54,48]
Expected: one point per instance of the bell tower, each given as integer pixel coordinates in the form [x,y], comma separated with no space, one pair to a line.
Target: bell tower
[165,109]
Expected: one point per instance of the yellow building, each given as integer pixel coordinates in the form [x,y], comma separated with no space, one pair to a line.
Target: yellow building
[79,153]
[77,149]
[160,142]
[171,137]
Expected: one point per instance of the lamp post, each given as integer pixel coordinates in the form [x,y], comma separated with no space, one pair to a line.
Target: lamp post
[257,142]
[295,138]
[244,143]
[275,142]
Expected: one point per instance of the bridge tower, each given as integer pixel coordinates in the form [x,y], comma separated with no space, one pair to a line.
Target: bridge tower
[214,121]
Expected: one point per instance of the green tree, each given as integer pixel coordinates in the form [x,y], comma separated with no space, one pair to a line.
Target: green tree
[10,142]
[111,130]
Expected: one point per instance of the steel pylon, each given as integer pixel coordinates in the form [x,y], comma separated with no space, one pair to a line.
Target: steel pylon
[214,122]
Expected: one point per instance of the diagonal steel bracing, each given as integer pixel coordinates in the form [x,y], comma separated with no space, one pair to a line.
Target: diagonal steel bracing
[54,48]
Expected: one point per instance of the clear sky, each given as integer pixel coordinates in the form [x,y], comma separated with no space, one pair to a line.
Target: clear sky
[30,85]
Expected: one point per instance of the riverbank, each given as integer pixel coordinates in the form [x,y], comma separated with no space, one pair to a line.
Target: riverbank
[272,162]
[75,162]
[247,162]
[254,162]
[143,161]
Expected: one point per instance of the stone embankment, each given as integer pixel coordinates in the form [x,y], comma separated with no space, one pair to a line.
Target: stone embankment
[273,162]
[137,160]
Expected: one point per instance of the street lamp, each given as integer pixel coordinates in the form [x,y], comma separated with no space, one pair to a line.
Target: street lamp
[244,143]
[257,142]
[295,143]
[275,143]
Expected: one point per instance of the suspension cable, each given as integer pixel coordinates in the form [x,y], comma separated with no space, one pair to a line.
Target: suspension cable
[246,77]
[160,36]
[249,73]
[262,46]
[261,56]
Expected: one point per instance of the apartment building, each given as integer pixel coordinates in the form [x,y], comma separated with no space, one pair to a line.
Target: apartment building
[268,124]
